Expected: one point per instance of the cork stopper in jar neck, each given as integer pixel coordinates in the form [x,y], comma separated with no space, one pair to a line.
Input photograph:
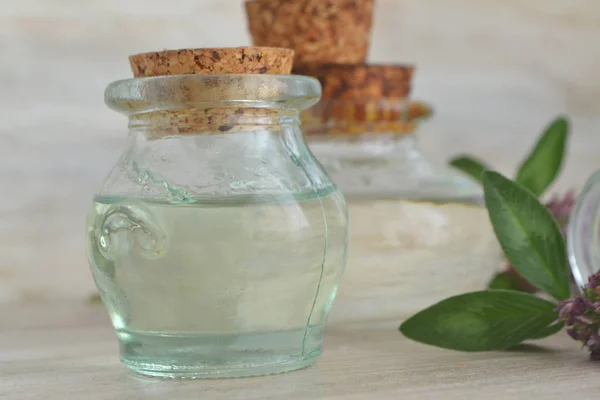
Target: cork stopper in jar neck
[319,31]
[211,90]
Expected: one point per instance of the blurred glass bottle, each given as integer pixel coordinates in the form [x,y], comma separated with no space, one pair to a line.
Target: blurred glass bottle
[419,233]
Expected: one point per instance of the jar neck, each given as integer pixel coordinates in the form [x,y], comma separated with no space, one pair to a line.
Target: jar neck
[216,120]
[206,103]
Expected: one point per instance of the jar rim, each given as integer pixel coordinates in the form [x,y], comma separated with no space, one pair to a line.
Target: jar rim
[176,92]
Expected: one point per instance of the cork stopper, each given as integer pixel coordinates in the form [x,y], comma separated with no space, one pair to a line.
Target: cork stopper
[237,60]
[362,81]
[321,31]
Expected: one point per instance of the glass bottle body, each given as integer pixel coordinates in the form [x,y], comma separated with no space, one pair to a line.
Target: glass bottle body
[218,253]
[419,233]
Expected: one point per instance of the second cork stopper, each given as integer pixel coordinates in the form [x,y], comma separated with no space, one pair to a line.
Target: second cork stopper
[319,31]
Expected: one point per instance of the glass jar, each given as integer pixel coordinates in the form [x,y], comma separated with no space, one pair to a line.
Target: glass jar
[583,240]
[419,232]
[217,241]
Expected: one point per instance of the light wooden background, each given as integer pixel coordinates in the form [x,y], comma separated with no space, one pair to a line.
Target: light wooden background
[496,72]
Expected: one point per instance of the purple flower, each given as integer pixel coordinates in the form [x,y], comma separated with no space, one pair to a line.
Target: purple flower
[593,342]
[581,315]
[572,309]
[573,333]
[593,282]
[579,306]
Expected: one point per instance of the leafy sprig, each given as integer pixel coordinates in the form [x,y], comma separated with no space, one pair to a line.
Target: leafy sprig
[536,173]
[499,319]
[502,317]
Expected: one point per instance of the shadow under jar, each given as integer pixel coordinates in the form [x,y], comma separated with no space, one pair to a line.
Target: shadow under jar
[419,231]
[217,241]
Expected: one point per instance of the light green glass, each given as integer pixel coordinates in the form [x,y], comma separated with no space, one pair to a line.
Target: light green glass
[583,233]
[217,251]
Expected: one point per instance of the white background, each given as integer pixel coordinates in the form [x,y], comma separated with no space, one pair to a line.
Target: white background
[496,72]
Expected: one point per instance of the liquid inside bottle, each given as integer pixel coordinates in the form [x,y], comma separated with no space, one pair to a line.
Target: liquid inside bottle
[218,285]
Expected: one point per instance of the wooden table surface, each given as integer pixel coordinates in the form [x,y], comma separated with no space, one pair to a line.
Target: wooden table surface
[495,71]
[68,351]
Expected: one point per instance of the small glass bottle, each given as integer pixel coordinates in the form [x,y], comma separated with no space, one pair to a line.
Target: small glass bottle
[583,240]
[419,233]
[217,241]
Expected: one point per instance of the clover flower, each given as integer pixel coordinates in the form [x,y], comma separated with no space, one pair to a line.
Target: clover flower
[581,315]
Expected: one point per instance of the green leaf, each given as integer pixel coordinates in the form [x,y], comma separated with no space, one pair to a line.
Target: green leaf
[470,166]
[544,162]
[528,234]
[548,331]
[505,281]
[481,321]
